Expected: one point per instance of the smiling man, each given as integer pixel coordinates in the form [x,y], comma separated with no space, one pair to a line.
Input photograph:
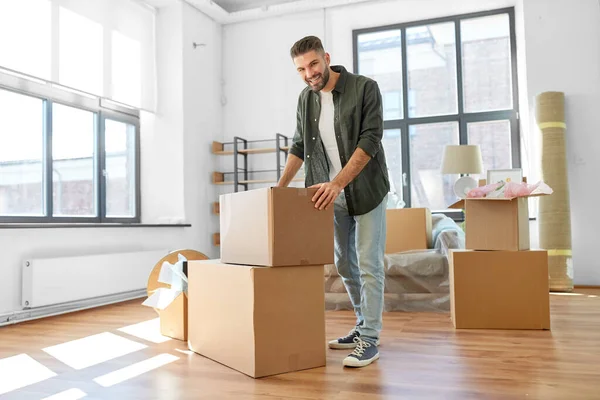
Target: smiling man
[338,136]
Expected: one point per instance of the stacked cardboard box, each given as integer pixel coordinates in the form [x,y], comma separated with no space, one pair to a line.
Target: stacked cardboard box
[260,309]
[498,282]
[407,229]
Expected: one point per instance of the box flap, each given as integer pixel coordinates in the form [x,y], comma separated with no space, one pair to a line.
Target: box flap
[459,204]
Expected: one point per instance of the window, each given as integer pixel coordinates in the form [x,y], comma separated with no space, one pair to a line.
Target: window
[104,48]
[21,155]
[66,163]
[73,166]
[74,75]
[444,81]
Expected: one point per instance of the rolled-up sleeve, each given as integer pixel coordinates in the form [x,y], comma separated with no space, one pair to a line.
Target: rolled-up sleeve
[371,130]
[297,147]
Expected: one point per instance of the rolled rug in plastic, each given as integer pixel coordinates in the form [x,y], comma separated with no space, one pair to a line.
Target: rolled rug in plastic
[554,215]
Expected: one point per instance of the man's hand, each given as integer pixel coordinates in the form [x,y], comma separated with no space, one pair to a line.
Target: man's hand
[326,194]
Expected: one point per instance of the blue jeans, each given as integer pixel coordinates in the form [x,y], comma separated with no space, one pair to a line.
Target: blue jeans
[359,259]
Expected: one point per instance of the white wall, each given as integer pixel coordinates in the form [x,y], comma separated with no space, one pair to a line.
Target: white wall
[202,123]
[563,54]
[175,179]
[162,133]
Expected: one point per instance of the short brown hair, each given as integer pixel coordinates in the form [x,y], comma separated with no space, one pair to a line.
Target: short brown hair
[306,44]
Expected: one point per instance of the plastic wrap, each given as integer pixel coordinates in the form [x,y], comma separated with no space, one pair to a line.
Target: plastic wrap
[414,280]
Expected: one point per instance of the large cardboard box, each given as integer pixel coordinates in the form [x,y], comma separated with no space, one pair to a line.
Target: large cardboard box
[499,289]
[275,227]
[407,229]
[258,320]
[496,224]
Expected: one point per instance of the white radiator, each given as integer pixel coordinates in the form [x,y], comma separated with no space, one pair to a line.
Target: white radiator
[52,281]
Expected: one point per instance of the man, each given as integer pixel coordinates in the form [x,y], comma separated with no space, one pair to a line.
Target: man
[338,137]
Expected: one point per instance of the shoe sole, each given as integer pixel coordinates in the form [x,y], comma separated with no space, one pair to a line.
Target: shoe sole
[355,363]
[341,346]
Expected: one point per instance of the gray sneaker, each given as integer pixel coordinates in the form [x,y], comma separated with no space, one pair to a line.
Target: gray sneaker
[346,342]
[364,354]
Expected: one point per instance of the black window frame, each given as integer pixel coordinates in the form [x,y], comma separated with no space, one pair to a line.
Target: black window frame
[50,93]
[461,117]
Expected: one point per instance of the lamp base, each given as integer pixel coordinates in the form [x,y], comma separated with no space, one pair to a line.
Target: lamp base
[463,185]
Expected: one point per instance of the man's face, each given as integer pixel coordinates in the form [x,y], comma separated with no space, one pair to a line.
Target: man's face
[313,69]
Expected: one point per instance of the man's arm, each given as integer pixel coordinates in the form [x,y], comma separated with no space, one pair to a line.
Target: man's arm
[329,191]
[368,146]
[292,166]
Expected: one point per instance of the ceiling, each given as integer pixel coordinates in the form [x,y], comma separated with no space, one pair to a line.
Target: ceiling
[232,11]
[242,5]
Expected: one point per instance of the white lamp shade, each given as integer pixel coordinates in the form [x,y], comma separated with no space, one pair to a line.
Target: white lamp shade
[462,159]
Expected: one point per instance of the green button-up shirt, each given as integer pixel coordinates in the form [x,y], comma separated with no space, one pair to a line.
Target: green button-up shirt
[358,122]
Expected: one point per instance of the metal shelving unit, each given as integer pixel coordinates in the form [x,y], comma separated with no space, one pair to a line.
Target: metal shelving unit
[239,177]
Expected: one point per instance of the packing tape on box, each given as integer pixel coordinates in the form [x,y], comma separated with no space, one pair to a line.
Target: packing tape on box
[544,125]
[173,275]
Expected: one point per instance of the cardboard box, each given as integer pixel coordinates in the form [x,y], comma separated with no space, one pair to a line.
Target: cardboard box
[496,224]
[407,229]
[499,289]
[275,227]
[260,321]
[174,318]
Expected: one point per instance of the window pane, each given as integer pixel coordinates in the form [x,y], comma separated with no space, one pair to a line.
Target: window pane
[126,70]
[80,60]
[73,161]
[21,155]
[494,139]
[429,188]
[380,58]
[120,169]
[392,145]
[431,58]
[487,79]
[25,36]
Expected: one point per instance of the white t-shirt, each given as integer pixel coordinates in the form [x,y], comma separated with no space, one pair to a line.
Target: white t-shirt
[327,132]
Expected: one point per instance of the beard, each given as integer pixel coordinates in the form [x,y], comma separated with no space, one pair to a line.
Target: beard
[319,81]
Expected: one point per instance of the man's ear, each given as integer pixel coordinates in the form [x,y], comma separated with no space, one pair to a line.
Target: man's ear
[327,59]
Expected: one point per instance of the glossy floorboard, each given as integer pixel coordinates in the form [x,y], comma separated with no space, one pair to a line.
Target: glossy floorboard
[422,357]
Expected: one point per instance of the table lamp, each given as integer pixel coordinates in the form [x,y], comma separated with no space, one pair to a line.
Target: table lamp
[463,160]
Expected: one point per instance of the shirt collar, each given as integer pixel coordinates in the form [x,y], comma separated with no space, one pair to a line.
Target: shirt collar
[340,85]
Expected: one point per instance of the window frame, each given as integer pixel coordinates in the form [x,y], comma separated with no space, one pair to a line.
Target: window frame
[102,108]
[461,117]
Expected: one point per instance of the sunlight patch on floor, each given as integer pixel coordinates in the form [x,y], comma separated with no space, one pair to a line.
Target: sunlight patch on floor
[93,350]
[134,370]
[71,394]
[19,371]
[147,330]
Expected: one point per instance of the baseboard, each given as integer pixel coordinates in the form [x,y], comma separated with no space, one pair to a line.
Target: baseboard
[50,311]
[586,287]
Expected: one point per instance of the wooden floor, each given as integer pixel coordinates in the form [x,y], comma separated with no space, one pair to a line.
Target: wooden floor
[422,357]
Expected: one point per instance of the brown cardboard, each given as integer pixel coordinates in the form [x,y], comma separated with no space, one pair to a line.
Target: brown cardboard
[496,224]
[174,318]
[260,321]
[275,227]
[407,229]
[499,289]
